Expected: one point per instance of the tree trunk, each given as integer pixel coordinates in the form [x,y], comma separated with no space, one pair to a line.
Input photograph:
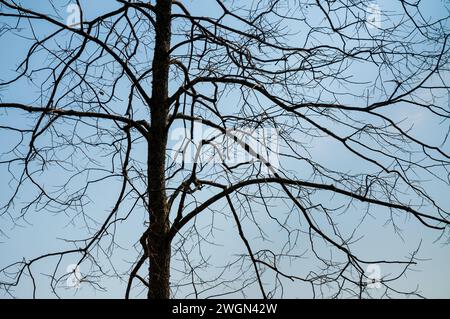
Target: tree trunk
[157,241]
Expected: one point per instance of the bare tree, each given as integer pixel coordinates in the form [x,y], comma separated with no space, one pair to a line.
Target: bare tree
[94,102]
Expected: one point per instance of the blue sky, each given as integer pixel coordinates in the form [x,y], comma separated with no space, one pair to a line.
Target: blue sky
[42,230]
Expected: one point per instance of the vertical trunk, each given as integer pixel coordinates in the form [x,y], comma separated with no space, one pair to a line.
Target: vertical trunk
[157,242]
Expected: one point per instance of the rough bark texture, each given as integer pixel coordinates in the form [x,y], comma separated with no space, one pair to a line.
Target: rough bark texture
[158,243]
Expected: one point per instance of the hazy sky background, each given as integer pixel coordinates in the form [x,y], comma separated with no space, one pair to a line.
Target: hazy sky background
[37,235]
